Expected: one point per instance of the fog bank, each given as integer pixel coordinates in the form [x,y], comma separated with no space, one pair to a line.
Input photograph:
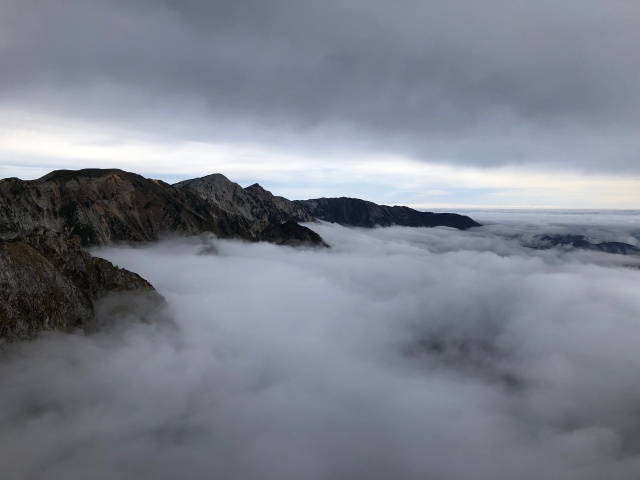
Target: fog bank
[398,353]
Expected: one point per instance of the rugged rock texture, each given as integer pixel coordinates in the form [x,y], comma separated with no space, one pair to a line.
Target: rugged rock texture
[278,209]
[261,208]
[101,206]
[360,213]
[581,242]
[253,206]
[293,234]
[48,282]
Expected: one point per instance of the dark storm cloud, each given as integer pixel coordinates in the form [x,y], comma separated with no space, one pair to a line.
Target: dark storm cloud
[484,82]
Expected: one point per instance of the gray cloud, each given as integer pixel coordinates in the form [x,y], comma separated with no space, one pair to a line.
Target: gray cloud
[404,353]
[487,83]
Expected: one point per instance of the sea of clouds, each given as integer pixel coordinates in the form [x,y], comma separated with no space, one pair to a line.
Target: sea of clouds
[404,353]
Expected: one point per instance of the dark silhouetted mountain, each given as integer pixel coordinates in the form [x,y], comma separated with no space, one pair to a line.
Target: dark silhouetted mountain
[581,242]
[360,213]
[47,282]
[293,234]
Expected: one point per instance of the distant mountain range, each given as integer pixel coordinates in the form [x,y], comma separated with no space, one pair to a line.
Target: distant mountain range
[581,242]
[48,282]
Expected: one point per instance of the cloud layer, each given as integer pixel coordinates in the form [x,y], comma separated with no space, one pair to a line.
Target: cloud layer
[404,353]
[470,82]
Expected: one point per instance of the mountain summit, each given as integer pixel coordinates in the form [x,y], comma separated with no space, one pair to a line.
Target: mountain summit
[253,207]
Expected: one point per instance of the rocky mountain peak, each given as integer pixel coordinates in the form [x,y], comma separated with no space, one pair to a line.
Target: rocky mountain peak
[101,206]
[256,188]
[253,205]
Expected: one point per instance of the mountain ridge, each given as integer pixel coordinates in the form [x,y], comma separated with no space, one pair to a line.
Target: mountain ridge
[258,204]
[362,213]
[253,206]
[101,206]
[49,282]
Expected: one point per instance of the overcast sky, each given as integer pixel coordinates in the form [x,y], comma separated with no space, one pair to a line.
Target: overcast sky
[420,102]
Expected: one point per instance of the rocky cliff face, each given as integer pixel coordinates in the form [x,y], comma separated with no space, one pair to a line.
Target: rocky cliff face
[253,206]
[102,206]
[360,213]
[279,209]
[48,282]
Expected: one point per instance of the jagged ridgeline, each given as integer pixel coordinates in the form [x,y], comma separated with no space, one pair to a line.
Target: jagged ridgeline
[47,281]
[261,208]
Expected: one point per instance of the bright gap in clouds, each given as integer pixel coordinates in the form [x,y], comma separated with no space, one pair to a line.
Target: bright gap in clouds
[32,147]
[398,353]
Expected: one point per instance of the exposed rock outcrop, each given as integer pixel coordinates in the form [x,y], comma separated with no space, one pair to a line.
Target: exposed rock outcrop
[48,282]
[101,206]
[253,206]
[279,209]
[360,213]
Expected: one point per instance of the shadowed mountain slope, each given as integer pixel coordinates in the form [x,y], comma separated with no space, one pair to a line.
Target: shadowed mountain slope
[261,207]
[292,234]
[360,213]
[253,205]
